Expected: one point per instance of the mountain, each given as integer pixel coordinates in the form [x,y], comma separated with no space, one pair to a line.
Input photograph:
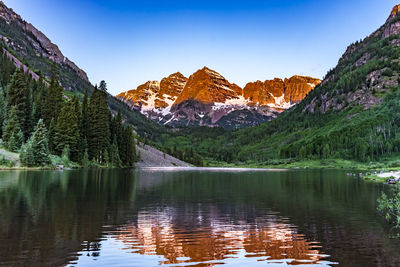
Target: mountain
[278,93]
[32,45]
[31,49]
[206,98]
[353,114]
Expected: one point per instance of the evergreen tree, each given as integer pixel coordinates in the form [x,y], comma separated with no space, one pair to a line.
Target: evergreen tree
[115,158]
[106,158]
[38,100]
[81,139]
[129,145]
[118,129]
[85,160]
[303,152]
[98,122]
[103,86]
[17,97]
[326,151]
[38,146]
[2,109]
[15,141]
[65,155]
[51,134]
[53,99]
[84,118]
[28,127]
[6,70]
[67,131]
[27,156]
[12,135]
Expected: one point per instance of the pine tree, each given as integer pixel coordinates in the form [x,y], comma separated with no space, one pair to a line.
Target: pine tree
[7,68]
[17,97]
[84,118]
[38,99]
[103,86]
[51,134]
[53,99]
[31,87]
[67,131]
[27,156]
[85,160]
[38,146]
[98,121]
[118,129]
[2,109]
[15,141]
[129,147]
[115,159]
[106,158]
[326,151]
[81,139]
[65,155]
[12,134]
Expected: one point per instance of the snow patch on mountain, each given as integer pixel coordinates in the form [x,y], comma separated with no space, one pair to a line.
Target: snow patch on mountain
[231,103]
[280,103]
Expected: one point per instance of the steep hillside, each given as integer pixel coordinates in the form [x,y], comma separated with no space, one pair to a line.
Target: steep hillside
[30,48]
[206,98]
[151,157]
[38,51]
[353,114]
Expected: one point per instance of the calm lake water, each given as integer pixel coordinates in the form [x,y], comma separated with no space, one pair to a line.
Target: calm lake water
[154,217]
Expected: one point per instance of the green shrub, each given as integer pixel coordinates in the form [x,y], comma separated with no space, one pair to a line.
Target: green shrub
[395,164]
[389,206]
[5,162]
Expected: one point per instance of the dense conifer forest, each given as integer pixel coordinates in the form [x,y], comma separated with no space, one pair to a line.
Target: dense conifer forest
[48,127]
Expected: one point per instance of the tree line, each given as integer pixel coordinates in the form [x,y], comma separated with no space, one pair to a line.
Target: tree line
[39,121]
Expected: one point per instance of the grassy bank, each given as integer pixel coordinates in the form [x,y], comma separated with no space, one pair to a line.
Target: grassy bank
[11,161]
[313,164]
[369,170]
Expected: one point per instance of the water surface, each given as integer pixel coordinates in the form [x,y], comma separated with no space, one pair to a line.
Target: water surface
[192,217]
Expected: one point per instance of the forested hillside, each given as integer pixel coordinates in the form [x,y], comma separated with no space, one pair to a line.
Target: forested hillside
[40,121]
[354,114]
[32,47]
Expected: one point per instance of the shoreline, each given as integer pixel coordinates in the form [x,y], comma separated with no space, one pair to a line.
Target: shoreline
[364,171]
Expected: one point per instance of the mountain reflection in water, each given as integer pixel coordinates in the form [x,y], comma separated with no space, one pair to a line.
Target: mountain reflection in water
[270,239]
[191,217]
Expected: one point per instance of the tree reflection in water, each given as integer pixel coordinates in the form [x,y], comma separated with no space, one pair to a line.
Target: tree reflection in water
[190,217]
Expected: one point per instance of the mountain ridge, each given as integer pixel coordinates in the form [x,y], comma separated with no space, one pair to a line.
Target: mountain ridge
[352,115]
[39,40]
[206,97]
[31,49]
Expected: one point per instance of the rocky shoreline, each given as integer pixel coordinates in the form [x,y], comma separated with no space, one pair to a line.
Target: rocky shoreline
[389,177]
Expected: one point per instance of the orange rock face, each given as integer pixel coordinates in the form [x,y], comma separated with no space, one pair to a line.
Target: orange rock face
[396,9]
[173,85]
[156,95]
[263,93]
[297,88]
[208,86]
[206,97]
[279,93]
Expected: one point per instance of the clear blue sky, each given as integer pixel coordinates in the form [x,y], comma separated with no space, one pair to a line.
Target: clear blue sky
[127,43]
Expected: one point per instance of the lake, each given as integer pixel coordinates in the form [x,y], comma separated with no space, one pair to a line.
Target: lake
[192,217]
